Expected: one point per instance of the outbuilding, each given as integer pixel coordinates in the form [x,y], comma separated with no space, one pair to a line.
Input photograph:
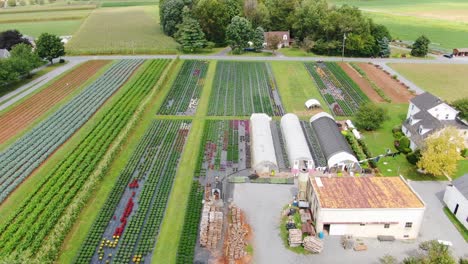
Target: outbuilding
[460,52]
[312,103]
[299,155]
[456,199]
[365,206]
[334,146]
[262,146]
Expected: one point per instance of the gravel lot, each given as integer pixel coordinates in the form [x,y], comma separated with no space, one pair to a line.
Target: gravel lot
[262,204]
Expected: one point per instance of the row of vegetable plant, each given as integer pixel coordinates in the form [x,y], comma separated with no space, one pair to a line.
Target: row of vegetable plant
[26,154]
[185,92]
[28,226]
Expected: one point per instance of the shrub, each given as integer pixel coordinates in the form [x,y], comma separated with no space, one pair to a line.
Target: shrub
[464,153]
[404,144]
[396,129]
[398,134]
[11,2]
[413,157]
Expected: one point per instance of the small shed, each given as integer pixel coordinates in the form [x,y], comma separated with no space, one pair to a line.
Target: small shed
[312,103]
[460,52]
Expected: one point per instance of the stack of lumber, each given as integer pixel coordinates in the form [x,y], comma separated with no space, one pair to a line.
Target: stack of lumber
[237,233]
[313,244]
[295,237]
[307,229]
[211,225]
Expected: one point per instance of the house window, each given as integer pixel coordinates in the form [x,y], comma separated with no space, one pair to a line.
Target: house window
[412,106]
[467,219]
[362,224]
[409,224]
[420,130]
[386,226]
[446,116]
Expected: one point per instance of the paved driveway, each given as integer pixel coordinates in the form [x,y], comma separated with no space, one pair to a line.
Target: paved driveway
[262,204]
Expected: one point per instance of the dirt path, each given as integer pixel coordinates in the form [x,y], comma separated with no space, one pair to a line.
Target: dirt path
[362,82]
[391,87]
[28,111]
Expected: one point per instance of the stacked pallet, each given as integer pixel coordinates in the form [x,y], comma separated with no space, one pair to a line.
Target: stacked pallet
[237,233]
[211,225]
[295,237]
[313,244]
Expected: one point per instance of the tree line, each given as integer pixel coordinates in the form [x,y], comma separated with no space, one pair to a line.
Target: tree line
[314,25]
[24,57]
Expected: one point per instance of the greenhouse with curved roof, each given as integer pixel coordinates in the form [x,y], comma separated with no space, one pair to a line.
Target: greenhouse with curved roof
[262,146]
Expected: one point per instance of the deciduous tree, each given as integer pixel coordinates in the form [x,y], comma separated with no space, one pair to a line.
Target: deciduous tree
[420,47]
[23,59]
[7,74]
[370,117]
[190,35]
[238,34]
[440,152]
[171,15]
[10,38]
[49,47]
[273,42]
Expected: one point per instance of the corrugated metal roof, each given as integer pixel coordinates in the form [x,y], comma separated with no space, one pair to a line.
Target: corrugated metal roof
[462,185]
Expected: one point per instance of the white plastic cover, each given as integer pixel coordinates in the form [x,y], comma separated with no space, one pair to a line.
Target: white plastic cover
[294,139]
[263,149]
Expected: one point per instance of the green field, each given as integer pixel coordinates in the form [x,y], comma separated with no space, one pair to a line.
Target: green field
[447,81]
[44,16]
[444,22]
[60,28]
[123,30]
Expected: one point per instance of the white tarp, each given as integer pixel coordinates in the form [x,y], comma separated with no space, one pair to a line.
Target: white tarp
[263,149]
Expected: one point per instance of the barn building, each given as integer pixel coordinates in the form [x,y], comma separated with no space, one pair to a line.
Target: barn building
[297,149]
[262,146]
[365,206]
[284,36]
[334,146]
[456,199]
[460,52]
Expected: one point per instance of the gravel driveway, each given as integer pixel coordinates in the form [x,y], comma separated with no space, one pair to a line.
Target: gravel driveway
[262,204]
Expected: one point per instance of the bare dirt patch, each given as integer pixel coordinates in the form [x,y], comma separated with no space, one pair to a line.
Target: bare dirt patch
[362,82]
[396,91]
[29,110]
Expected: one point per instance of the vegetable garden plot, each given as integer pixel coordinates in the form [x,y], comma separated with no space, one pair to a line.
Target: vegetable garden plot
[27,227]
[27,153]
[314,145]
[128,224]
[22,115]
[340,92]
[243,88]
[185,93]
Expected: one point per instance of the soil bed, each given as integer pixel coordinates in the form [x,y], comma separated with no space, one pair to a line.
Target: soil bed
[363,83]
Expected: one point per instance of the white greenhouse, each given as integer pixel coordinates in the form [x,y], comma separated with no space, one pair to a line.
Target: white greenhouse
[262,146]
[311,103]
[334,146]
[296,145]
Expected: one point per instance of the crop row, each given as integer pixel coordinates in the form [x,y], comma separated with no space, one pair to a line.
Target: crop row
[188,237]
[28,153]
[185,92]
[347,83]
[27,227]
[243,88]
[314,145]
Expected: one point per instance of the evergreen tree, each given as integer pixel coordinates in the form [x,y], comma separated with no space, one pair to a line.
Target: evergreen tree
[190,35]
[258,39]
[420,47]
[384,47]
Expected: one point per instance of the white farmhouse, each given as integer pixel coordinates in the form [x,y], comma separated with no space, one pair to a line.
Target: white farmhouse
[456,199]
[428,114]
[297,148]
[262,147]
[365,206]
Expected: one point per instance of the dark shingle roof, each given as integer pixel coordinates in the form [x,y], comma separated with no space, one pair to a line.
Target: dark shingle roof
[462,185]
[425,101]
[329,136]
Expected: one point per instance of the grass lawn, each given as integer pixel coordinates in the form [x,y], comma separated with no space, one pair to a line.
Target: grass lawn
[459,226]
[462,168]
[13,86]
[296,52]
[382,139]
[44,16]
[171,228]
[296,87]
[122,30]
[447,81]
[86,218]
[59,27]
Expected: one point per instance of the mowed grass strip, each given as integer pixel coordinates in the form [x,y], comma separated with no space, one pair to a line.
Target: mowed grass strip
[447,81]
[126,30]
[58,27]
[44,16]
[296,87]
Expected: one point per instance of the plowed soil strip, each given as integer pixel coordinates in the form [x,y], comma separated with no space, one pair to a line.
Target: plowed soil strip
[391,87]
[362,82]
[22,115]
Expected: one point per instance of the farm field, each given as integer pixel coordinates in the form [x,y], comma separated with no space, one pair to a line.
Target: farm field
[76,174]
[139,197]
[341,93]
[34,29]
[22,115]
[27,153]
[444,22]
[364,84]
[123,30]
[9,17]
[295,87]
[184,95]
[243,88]
[446,81]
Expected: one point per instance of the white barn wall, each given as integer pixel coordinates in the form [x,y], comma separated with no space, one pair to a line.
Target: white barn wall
[452,197]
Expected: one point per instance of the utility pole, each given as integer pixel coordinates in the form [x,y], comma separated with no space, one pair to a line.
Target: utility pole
[344,42]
